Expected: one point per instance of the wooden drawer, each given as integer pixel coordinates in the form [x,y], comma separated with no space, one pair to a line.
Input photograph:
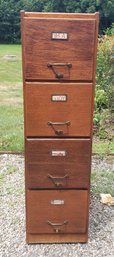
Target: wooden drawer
[57,211]
[49,105]
[58,163]
[58,41]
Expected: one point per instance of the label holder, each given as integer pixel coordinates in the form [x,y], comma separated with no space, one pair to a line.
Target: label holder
[56,35]
[59,98]
[58,153]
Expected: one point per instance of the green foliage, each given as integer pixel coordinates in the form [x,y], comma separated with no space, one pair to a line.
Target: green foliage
[104,97]
[106,9]
[110,31]
[105,74]
[101,99]
[10,17]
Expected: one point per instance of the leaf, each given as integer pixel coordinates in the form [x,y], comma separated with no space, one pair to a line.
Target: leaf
[107,199]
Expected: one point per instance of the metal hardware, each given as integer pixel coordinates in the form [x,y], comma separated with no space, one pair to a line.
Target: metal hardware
[57,202]
[57,183]
[54,225]
[50,65]
[57,230]
[58,132]
[59,98]
[59,123]
[58,75]
[59,36]
[58,153]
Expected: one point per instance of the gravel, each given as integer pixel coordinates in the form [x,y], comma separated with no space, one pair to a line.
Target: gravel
[12,218]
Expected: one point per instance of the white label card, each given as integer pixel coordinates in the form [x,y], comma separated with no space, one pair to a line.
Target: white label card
[59,98]
[58,153]
[59,35]
[57,202]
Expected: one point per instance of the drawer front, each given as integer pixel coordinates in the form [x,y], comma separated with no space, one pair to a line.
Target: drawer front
[57,211]
[58,163]
[58,109]
[59,49]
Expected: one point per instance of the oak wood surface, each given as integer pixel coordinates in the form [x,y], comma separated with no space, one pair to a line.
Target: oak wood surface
[40,109]
[40,49]
[41,166]
[60,15]
[56,238]
[41,211]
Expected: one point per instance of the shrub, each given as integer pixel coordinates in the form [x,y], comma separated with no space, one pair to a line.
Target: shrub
[104,94]
[105,73]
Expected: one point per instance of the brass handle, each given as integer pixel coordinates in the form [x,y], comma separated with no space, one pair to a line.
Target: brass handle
[50,65]
[56,225]
[58,75]
[57,183]
[59,123]
[58,132]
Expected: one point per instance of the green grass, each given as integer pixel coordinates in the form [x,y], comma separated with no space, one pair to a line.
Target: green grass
[102,181]
[11,129]
[10,69]
[11,106]
[103,148]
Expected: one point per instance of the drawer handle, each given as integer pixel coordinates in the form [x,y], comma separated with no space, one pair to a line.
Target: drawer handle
[53,124]
[56,225]
[57,183]
[58,75]
[50,65]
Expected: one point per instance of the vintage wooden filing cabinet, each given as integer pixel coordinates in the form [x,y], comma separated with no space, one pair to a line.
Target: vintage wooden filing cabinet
[59,60]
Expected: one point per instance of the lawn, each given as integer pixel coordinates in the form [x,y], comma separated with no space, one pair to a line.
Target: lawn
[11,104]
[10,63]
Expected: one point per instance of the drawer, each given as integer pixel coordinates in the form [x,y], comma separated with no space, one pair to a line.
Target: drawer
[57,211]
[58,109]
[58,49]
[58,163]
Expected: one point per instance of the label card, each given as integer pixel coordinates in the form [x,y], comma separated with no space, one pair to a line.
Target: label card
[59,98]
[58,153]
[59,35]
[57,202]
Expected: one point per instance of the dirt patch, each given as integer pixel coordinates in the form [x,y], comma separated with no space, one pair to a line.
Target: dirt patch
[10,57]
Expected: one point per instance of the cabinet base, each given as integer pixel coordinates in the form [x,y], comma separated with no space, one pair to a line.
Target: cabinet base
[63,238]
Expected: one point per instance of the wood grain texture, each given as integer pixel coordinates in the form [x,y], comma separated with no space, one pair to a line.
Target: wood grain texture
[40,109]
[60,15]
[40,163]
[56,238]
[40,210]
[40,49]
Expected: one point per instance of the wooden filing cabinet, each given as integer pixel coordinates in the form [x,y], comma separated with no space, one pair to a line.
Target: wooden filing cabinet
[59,60]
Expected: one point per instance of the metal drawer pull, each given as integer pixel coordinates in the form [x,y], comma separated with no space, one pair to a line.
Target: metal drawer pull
[58,123]
[58,75]
[69,65]
[58,132]
[57,230]
[57,183]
